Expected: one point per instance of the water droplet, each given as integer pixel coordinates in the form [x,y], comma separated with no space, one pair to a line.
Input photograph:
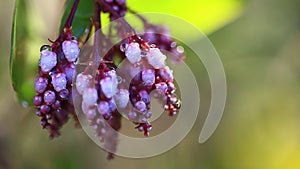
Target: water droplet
[173,45]
[123,47]
[74,38]
[120,80]
[180,49]
[24,104]
[45,47]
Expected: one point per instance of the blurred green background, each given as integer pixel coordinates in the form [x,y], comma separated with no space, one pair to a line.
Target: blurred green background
[258,42]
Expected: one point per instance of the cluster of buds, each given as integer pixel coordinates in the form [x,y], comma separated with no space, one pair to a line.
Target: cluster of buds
[149,73]
[126,90]
[98,104]
[53,84]
[113,90]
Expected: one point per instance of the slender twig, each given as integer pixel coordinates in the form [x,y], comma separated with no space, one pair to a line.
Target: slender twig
[142,18]
[97,55]
[69,21]
[84,37]
[116,15]
[66,30]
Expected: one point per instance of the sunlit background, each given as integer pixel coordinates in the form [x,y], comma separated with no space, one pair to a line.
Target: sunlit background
[259,44]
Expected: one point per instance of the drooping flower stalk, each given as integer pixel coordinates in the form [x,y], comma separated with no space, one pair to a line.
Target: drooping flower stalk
[112,90]
[53,85]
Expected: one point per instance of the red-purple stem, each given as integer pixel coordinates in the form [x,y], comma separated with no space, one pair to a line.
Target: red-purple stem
[116,15]
[69,21]
[98,36]
[143,19]
[66,30]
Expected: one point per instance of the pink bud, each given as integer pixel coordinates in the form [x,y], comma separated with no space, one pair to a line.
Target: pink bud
[140,106]
[103,107]
[40,84]
[166,73]
[49,97]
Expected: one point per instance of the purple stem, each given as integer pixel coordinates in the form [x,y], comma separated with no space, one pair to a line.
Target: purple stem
[98,36]
[69,21]
[143,19]
[116,15]
[66,30]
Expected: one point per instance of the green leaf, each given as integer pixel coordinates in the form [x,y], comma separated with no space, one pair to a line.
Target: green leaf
[19,69]
[84,12]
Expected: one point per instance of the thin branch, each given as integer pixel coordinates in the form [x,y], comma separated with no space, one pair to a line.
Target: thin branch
[69,21]
[143,19]
[116,15]
[66,30]
[97,55]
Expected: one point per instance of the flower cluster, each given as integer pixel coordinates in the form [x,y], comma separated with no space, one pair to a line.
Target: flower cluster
[122,82]
[126,90]
[99,106]
[53,85]
[149,73]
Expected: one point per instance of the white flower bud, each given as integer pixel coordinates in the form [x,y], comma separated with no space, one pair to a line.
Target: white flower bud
[91,114]
[82,82]
[156,58]
[90,96]
[71,50]
[132,116]
[103,108]
[113,75]
[48,60]
[148,76]
[141,106]
[84,108]
[109,86]
[133,52]
[166,73]
[59,81]
[122,98]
